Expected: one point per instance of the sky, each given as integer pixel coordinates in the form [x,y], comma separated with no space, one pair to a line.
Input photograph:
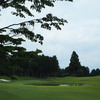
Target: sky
[80,34]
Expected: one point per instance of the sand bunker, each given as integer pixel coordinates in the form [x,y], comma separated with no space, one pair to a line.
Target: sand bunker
[4,80]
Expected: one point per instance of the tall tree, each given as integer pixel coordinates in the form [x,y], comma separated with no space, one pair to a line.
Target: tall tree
[74,65]
[75,68]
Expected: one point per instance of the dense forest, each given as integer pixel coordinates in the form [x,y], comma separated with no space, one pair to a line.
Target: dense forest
[25,63]
[35,64]
[16,61]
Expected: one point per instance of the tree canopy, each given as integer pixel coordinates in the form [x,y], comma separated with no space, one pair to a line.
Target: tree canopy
[9,35]
[23,10]
[12,55]
[75,68]
[74,65]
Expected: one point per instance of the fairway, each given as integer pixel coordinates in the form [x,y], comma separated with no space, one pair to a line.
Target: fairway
[26,89]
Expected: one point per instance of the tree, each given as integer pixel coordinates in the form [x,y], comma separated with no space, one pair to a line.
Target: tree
[86,71]
[74,65]
[9,35]
[47,66]
[7,51]
[95,72]
[21,10]
[61,73]
[75,68]
[27,61]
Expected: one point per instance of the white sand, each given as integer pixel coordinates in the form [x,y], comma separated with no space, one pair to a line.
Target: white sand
[4,80]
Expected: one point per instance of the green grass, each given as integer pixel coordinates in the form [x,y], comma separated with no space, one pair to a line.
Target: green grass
[22,89]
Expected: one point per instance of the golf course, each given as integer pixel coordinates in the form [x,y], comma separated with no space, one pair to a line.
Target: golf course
[66,88]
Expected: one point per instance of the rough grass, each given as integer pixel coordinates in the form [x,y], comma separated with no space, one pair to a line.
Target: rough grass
[24,89]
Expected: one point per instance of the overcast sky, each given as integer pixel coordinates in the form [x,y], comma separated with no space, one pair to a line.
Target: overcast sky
[81,34]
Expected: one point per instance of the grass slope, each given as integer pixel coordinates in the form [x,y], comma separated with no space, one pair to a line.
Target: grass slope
[22,89]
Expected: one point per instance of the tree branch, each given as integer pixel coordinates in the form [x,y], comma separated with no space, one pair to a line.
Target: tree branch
[7,27]
[46,22]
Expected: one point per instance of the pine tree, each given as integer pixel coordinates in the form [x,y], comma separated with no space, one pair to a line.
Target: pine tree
[74,65]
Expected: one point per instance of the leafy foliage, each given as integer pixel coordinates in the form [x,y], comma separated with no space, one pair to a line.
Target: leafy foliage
[75,68]
[23,63]
[95,72]
[22,11]
[10,51]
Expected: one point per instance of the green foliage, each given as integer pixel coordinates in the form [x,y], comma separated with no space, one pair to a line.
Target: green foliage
[75,68]
[17,58]
[95,72]
[80,73]
[7,40]
[74,65]
[22,11]
[23,63]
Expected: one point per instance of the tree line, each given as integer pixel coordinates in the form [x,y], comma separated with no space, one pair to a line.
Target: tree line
[30,63]
[76,69]
[15,60]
